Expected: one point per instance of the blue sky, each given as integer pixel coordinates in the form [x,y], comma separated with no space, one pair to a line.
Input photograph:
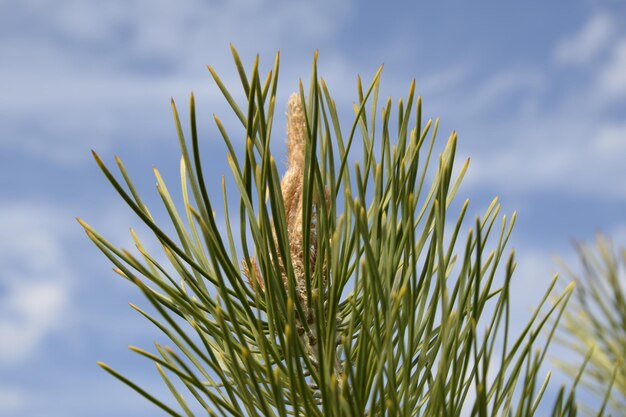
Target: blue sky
[536,90]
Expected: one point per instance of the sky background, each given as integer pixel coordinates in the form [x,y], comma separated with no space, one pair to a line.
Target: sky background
[536,90]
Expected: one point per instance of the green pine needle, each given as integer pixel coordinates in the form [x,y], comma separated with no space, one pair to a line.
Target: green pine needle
[377,304]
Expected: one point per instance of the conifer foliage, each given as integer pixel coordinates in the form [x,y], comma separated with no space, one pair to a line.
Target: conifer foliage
[351,287]
[594,325]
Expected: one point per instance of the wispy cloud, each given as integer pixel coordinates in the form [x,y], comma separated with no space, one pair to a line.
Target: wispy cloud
[599,46]
[588,43]
[612,76]
[610,141]
[506,85]
[77,74]
[35,283]
[90,73]
[565,154]
[568,137]
[11,399]
[618,234]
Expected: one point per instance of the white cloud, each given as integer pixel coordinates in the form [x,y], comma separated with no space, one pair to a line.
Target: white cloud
[535,269]
[11,399]
[35,282]
[575,145]
[617,235]
[167,28]
[442,81]
[32,311]
[610,142]
[90,74]
[612,77]
[600,43]
[504,84]
[588,43]
[565,153]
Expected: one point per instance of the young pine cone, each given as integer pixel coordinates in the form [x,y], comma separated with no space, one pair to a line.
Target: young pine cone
[292,186]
